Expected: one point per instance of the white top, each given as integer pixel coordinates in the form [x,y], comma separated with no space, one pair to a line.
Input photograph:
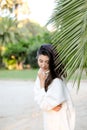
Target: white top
[57,93]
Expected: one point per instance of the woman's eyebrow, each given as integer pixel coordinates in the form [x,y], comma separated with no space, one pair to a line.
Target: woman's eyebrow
[47,60]
[42,59]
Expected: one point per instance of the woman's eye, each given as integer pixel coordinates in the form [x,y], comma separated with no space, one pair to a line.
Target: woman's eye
[40,61]
[47,63]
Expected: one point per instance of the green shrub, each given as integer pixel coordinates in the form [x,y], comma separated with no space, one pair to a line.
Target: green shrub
[10,63]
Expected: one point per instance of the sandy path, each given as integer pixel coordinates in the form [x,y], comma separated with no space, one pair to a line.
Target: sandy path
[18,111]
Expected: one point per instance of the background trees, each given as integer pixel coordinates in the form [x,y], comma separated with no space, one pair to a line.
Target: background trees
[9,32]
[18,35]
[9,7]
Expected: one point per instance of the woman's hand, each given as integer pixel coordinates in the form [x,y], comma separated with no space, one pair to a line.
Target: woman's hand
[57,108]
[42,76]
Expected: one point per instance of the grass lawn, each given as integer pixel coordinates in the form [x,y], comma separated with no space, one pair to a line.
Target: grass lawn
[24,74]
[19,74]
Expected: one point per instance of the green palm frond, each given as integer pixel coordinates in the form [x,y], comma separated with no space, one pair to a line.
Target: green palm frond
[69,19]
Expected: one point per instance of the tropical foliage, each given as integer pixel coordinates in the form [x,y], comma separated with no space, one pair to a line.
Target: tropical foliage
[23,51]
[9,32]
[10,5]
[15,54]
[69,21]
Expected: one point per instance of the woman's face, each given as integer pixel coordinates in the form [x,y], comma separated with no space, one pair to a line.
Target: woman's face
[43,62]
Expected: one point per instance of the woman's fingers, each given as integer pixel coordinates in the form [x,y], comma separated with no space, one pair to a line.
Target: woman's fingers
[42,75]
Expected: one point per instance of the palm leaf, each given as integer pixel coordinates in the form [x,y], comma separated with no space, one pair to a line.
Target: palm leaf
[69,20]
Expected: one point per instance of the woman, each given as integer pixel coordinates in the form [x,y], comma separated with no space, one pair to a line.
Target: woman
[51,92]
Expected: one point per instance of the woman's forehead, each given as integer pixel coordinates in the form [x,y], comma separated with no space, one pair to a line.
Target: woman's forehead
[43,57]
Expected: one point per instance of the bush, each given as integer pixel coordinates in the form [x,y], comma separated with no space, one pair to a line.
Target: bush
[10,63]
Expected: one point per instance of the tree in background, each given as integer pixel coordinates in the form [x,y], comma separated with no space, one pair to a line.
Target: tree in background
[15,55]
[21,53]
[14,8]
[15,31]
[9,32]
[69,21]
[9,12]
[10,6]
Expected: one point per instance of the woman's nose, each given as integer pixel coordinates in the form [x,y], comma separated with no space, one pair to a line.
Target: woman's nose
[43,65]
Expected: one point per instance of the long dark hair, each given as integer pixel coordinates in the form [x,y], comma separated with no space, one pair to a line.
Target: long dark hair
[56,70]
